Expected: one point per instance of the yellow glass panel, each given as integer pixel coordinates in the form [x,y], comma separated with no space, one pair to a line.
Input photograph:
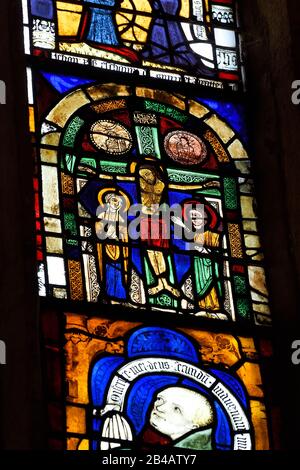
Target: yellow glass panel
[60,293]
[197,109]
[68,23]
[235,240]
[74,7]
[217,146]
[54,245]
[75,279]
[259,420]
[179,95]
[84,445]
[50,190]
[237,150]
[65,108]
[82,211]
[259,298]
[243,166]
[52,138]
[252,241]
[254,255]
[185,8]
[161,96]
[52,225]
[144,6]
[73,443]
[251,377]
[86,349]
[138,32]
[257,279]
[67,184]
[86,49]
[164,67]
[106,177]
[220,127]
[98,92]
[250,225]
[76,420]
[247,203]
[248,347]
[111,105]
[48,155]
[31,119]
[216,347]
[261,308]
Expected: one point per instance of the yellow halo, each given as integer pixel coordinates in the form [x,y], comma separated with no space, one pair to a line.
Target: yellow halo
[115,190]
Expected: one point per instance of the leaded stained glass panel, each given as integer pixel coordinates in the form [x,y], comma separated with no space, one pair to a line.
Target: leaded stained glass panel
[146,226]
[103,141]
[189,41]
[122,391]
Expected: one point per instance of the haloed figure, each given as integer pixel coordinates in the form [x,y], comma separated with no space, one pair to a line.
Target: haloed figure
[185,416]
[113,257]
[207,238]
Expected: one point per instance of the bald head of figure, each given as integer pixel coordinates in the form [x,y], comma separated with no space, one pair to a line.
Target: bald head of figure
[178,411]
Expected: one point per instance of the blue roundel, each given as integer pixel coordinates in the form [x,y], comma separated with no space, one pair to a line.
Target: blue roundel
[155,341]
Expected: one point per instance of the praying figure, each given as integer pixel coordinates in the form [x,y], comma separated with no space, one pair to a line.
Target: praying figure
[179,417]
[184,416]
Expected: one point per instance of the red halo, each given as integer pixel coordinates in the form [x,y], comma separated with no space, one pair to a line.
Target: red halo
[212,215]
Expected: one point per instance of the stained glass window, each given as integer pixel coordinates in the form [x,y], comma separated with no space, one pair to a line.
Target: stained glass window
[123,378]
[146,225]
[150,147]
[190,41]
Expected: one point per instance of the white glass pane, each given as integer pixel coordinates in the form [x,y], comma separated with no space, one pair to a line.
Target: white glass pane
[200,32]
[26,40]
[208,64]
[227,59]
[29,85]
[50,190]
[52,225]
[198,9]
[43,34]
[204,50]
[41,280]
[222,14]
[187,31]
[225,38]
[60,293]
[54,245]
[25,11]
[56,271]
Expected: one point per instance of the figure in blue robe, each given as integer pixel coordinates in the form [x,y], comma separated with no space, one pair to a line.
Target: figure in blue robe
[101,25]
[167,43]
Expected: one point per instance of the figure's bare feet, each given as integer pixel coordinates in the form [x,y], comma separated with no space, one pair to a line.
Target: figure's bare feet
[167,287]
[164,285]
[173,291]
[155,290]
